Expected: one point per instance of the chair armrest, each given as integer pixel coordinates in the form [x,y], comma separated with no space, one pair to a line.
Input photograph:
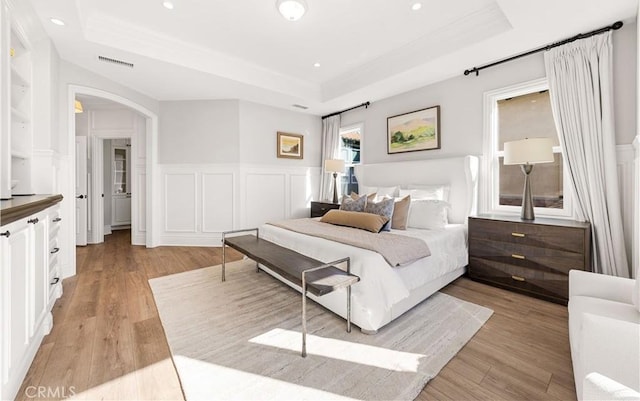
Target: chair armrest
[611,347]
[599,387]
[601,286]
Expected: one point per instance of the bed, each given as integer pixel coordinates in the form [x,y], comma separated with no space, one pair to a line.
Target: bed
[385,293]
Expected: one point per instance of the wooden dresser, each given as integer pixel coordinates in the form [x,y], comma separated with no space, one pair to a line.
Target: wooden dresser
[531,257]
[318,209]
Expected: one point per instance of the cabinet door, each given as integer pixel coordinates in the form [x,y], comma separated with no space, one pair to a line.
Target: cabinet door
[15,294]
[40,270]
[121,210]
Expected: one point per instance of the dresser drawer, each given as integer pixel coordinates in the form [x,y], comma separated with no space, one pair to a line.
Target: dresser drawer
[545,236]
[544,284]
[544,259]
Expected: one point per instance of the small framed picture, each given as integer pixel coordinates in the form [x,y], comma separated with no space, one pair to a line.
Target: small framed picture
[290,146]
[417,130]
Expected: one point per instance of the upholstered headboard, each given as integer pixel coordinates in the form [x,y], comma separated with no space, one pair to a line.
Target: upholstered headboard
[460,173]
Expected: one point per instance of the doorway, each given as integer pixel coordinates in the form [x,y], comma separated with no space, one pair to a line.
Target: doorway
[113,172]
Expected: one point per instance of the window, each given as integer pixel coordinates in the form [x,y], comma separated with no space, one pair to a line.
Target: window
[519,112]
[350,144]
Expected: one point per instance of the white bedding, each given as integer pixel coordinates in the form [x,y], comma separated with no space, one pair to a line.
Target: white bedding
[381,286]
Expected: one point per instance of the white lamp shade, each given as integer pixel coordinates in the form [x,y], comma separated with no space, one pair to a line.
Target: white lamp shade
[528,151]
[334,165]
[292,10]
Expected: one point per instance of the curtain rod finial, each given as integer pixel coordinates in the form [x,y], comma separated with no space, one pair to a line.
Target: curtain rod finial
[617,25]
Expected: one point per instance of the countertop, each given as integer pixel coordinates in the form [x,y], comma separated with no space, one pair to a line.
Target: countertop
[19,207]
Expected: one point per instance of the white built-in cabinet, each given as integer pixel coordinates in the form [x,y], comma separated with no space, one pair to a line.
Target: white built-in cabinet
[16,133]
[30,284]
[121,187]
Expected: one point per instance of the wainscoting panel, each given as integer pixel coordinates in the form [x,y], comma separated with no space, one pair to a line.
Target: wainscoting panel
[301,195]
[204,200]
[265,198]
[218,202]
[180,201]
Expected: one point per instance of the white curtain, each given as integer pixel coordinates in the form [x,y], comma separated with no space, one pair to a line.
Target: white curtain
[330,150]
[581,91]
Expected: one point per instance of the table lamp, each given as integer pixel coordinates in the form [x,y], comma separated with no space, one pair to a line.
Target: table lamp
[527,152]
[334,166]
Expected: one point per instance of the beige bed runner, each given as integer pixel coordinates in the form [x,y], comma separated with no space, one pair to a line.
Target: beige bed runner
[396,249]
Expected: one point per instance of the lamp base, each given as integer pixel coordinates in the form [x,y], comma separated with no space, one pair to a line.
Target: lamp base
[335,188]
[527,199]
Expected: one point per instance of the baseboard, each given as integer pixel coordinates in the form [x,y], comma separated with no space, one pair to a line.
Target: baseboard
[210,240]
[107,229]
[122,227]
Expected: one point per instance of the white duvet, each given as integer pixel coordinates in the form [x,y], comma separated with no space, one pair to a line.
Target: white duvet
[381,286]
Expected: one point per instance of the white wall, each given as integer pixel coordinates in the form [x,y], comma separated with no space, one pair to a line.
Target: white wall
[199,131]
[461,109]
[220,172]
[259,125]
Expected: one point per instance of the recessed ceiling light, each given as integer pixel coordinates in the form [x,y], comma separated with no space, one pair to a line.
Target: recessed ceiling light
[416,6]
[57,21]
[168,5]
[292,10]
[316,65]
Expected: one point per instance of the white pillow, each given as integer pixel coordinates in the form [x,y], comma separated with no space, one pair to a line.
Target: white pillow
[441,191]
[392,192]
[428,213]
[433,193]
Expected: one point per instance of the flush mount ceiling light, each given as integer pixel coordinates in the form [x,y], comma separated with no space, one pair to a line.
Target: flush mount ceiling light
[57,21]
[168,5]
[416,6]
[292,10]
[316,65]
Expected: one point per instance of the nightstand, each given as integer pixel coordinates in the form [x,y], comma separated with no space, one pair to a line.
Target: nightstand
[318,209]
[530,257]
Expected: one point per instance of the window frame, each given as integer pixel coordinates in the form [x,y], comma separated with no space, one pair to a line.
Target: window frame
[352,127]
[491,155]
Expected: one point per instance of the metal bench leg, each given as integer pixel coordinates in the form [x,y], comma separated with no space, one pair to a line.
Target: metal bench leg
[304,318]
[224,247]
[349,298]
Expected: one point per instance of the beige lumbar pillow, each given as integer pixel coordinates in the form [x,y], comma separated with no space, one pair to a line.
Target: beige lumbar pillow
[364,221]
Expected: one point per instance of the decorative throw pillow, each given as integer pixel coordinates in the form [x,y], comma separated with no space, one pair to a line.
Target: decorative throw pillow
[383,208]
[353,205]
[370,197]
[364,221]
[428,213]
[400,213]
[381,191]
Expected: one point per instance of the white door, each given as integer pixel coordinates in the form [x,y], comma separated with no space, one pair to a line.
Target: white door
[96,191]
[81,190]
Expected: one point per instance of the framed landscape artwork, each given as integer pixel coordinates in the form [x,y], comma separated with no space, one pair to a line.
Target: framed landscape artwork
[417,130]
[290,146]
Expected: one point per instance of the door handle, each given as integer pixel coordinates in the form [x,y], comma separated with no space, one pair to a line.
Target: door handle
[55,250]
[57,219]
[5,234]
[80,196]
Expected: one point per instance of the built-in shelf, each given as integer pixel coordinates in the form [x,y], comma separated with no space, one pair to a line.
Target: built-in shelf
[18,154]
[17,78]
[19,116]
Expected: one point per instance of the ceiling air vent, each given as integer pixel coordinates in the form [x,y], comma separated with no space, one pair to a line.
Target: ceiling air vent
[114,61]
[300,106]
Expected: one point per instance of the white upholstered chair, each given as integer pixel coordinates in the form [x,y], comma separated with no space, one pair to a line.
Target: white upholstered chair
[604,333]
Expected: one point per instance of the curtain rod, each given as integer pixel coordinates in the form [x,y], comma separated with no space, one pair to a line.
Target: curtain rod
[616,25]
[365,105]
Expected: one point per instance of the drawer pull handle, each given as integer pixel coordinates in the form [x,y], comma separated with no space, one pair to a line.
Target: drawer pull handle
[5,234]
[33,221]
[518,278]
[55,250]
[519,235]
[55,280]
[516,256]
[57,219]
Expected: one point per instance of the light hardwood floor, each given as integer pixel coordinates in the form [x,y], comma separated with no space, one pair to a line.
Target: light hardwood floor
[108,343]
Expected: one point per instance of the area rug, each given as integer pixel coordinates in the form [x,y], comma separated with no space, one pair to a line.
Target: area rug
[241,340]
